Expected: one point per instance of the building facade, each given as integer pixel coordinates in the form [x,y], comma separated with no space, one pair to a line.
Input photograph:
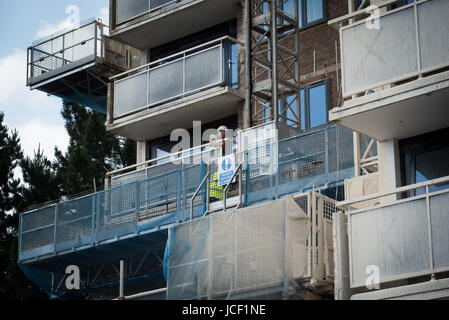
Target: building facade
[315,113]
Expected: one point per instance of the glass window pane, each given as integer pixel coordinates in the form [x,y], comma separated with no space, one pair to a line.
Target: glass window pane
[163,150]
[127,9]
[289,7]
[314,10]
[300,13]
[291,111]
[303,110]
[234,66]
[432,165]
[318,105]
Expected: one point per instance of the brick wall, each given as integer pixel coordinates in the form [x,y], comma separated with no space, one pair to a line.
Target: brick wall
[320,39]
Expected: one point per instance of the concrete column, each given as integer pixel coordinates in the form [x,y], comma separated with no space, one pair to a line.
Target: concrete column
[389,168]
[341,257]
[141,151]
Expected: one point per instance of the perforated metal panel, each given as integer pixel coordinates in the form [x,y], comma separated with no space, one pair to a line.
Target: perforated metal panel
[393,238]
[249,249]
[186,73]
[166,82]
[204,69]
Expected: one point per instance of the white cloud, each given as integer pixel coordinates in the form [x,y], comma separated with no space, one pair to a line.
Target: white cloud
[104,15]
[72,19]
[35,114]
[18,101]
[23,107]
[36,132]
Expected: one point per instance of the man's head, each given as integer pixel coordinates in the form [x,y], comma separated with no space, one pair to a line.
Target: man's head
[222,132]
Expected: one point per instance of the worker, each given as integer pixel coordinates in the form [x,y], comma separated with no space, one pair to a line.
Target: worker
[215,191]
[222,130]
[221,141]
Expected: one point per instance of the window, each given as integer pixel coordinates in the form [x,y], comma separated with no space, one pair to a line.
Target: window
[358,3]
[401,3]
[314,106]
[162,150]
[425,158]
[311,12]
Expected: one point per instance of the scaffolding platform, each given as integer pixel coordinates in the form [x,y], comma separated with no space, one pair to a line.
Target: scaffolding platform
[76,63]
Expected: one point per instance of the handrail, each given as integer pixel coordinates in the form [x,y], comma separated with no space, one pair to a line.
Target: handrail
[169,156]
[347,204]
[367,11]
[143,294]
[67,30]
[197,192]
[157,62]
[239,169]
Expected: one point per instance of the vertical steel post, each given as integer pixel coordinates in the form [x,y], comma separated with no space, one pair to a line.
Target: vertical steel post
[95,39]
[19,253]
[55,227]
[274,57]
[94,206]
[122,280]
[429,230]
[298,69]
[248,76]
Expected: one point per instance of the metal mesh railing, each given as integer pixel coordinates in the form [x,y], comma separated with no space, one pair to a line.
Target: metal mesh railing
[263,247]
[269,171]
[111,213]
[404,238]
[194,70]
[322,157]
[65,48]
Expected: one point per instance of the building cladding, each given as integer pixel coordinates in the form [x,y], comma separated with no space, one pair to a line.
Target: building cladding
[343,82]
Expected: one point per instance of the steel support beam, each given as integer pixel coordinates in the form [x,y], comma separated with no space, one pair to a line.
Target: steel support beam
[273,69]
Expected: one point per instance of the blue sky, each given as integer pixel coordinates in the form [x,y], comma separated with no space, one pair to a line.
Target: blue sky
[35,115]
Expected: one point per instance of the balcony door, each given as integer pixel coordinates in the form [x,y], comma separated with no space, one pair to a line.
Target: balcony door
[425,158]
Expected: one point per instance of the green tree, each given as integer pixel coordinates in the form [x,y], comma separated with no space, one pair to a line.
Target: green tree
[92,151]
[41,183]
[13,284]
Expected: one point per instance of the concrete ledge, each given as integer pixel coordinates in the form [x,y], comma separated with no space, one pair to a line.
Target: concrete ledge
[209,105]
[400,112]
[431,290]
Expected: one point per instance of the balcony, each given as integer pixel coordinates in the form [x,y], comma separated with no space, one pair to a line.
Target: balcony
[150,23]
[395,78]
[75,64]
[406,239]
[151,101]
[143,202]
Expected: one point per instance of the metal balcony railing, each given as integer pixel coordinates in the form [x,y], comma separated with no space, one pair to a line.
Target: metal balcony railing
[66,49]
[393,45]
[203,67]
[321,157]
[173,161]
[405,239]
[126,10]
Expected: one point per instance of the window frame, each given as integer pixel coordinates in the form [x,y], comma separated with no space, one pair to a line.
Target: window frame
[303,16]
[306,25]
[410,148]
[306,106]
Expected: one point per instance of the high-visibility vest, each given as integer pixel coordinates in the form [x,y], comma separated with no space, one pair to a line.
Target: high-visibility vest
[215,191]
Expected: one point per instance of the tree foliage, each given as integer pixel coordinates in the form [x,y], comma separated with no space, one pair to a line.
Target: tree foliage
[91,153]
